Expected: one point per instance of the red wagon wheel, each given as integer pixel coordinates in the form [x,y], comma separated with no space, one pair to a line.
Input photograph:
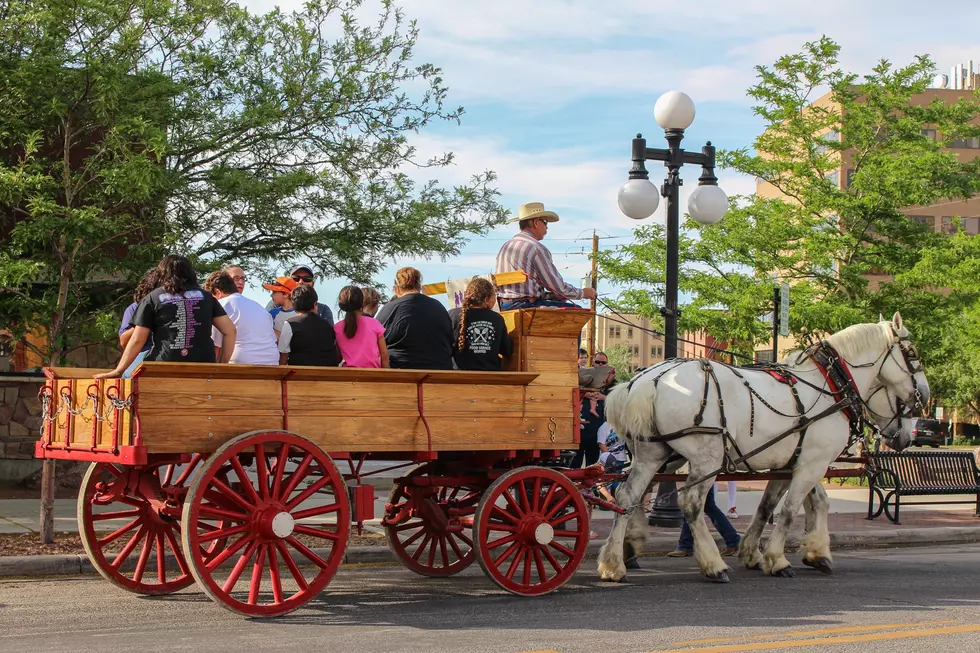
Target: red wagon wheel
[531,530]
[143,555]
[435,539]
[286,516]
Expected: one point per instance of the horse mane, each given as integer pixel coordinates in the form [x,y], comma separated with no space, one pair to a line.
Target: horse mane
[859,339]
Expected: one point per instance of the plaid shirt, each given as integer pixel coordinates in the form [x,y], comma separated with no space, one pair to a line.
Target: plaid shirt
[525,252]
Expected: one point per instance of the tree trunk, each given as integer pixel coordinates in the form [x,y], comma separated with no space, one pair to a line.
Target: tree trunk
[47,501]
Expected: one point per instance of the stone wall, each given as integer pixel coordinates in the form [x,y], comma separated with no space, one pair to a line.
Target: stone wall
[20,426]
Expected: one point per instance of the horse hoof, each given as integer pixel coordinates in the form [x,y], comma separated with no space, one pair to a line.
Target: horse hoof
[720,577]
[820,564]
[633,563]
[785,572]
[754,566]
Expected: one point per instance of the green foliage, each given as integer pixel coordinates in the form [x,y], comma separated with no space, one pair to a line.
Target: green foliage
[836,242]
[621,357]
[193,126]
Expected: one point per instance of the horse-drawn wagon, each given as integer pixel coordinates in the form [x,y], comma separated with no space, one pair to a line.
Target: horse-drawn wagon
[228,475]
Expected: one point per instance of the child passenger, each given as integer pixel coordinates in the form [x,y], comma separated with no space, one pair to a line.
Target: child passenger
[361,338]
[307,338]
[479,332]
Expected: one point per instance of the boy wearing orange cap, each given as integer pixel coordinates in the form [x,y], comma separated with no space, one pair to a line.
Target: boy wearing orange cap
[281,289]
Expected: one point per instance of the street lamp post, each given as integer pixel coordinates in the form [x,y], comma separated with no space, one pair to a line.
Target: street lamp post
[639,198]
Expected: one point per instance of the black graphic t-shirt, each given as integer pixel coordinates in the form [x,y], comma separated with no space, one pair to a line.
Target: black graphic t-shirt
[180,324]
[486,340]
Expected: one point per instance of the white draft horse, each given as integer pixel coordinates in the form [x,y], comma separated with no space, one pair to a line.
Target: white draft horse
[713,415]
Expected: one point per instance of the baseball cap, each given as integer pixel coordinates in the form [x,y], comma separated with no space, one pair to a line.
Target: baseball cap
[301,267]
[281,284]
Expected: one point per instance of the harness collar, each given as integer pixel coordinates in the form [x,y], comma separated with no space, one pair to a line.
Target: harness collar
[839,380]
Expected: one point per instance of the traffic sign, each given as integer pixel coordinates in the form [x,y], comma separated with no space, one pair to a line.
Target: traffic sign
[784,309]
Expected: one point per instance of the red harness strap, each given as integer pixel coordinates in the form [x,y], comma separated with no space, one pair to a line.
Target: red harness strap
[835,388]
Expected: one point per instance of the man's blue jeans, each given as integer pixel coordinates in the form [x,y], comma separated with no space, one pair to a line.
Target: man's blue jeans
[538,303]
[718,518]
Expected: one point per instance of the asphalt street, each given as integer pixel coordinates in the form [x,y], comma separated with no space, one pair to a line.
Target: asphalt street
[879,600]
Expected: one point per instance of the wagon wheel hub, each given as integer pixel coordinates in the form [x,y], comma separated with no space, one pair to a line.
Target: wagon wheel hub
[275,522]
[544,533]
[535,530]
[283,525]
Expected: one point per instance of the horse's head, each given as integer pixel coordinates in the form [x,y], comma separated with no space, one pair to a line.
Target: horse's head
[901,368]
[892,418]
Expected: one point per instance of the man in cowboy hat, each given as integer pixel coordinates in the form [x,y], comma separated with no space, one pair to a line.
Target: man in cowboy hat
[544,285]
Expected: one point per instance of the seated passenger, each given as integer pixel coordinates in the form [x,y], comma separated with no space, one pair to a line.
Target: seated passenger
[418,331]
[307,338]
[361,339]
[479,333]
[255,341]
[179,315]
[372,299]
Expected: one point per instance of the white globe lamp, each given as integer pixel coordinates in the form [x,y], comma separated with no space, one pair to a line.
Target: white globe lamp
[707,204]
[674,110]
[638,199]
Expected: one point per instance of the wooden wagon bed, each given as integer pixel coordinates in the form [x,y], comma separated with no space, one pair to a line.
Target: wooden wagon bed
[170,408]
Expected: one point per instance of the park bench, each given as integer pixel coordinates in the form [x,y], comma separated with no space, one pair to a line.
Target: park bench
[894,475]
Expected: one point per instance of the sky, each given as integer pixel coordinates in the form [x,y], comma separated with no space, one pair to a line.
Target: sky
[554,90]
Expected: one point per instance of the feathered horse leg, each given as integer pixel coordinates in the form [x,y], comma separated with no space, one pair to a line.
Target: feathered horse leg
[630,496]
[816,543]
[749,551]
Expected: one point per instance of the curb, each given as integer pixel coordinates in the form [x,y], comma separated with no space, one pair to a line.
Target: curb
[77,565]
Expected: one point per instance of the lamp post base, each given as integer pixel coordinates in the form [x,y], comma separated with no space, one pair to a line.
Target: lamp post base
[666,512]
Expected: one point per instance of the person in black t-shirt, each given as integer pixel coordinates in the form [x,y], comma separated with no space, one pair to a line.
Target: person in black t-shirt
[180,315]
[479,333]
[418,331]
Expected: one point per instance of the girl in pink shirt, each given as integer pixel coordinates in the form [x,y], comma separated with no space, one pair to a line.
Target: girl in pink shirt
[361,338]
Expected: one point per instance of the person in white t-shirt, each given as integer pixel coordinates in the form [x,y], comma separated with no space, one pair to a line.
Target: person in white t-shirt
[613,457]
[255,343]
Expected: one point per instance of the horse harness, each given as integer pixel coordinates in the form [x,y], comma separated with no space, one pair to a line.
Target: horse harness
[839,385]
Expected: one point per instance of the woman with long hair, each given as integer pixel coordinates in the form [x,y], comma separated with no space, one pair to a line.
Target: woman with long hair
[361,338]
[179,315]
[480,339]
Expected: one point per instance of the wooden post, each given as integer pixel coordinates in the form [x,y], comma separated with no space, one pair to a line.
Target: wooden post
[47,501]
[593,323]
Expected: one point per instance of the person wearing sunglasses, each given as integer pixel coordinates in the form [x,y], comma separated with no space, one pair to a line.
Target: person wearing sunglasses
[303,274]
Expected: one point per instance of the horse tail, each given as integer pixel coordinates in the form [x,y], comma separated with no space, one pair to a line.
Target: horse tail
[630,408]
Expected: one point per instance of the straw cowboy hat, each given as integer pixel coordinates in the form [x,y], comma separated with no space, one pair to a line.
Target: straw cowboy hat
[534,211]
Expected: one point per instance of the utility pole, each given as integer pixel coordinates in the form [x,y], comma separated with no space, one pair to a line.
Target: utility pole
[594,322]
[776,300]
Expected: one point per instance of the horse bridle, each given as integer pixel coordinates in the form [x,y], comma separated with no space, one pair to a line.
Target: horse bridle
[913,365]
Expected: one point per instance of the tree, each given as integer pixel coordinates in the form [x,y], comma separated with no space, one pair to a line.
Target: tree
[138,127]
[621,358]
[843,246]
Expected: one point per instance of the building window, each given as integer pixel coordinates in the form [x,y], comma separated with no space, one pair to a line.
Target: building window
[833,177]
[947,226]
[612,331]
[764,356]
[636,350]
[850,177]
[629,332]
[929,133]
[967,142]
[660,351]
[971,226]
[928,221]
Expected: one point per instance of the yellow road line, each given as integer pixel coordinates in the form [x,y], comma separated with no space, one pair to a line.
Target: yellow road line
[810,633]
[850,639]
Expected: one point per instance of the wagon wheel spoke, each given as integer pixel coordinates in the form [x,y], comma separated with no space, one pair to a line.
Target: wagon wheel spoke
[244,482]
[307,552]
[421,549]
[144,557]
[229,493]
[562,548]
[551,559]
[222,557]
[281,460]
[236,571]
[294,570]
[539,563]
[316,511]
[219,533]
[513,505]
[564,501]
[563,519]
[512,569]
[130,545]
[535,505]
[454,546]
[178,553]
[316,532]
[298,475]
[210,511]
[115,514]
[509,551]
[255,586]
[527,566]
[274,576]
[161,560]
[500,513]
[507,539]
[308,492]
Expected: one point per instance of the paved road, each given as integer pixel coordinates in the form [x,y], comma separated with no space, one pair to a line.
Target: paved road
[879,600]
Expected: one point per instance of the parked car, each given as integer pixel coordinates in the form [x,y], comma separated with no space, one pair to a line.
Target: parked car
[929,432]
